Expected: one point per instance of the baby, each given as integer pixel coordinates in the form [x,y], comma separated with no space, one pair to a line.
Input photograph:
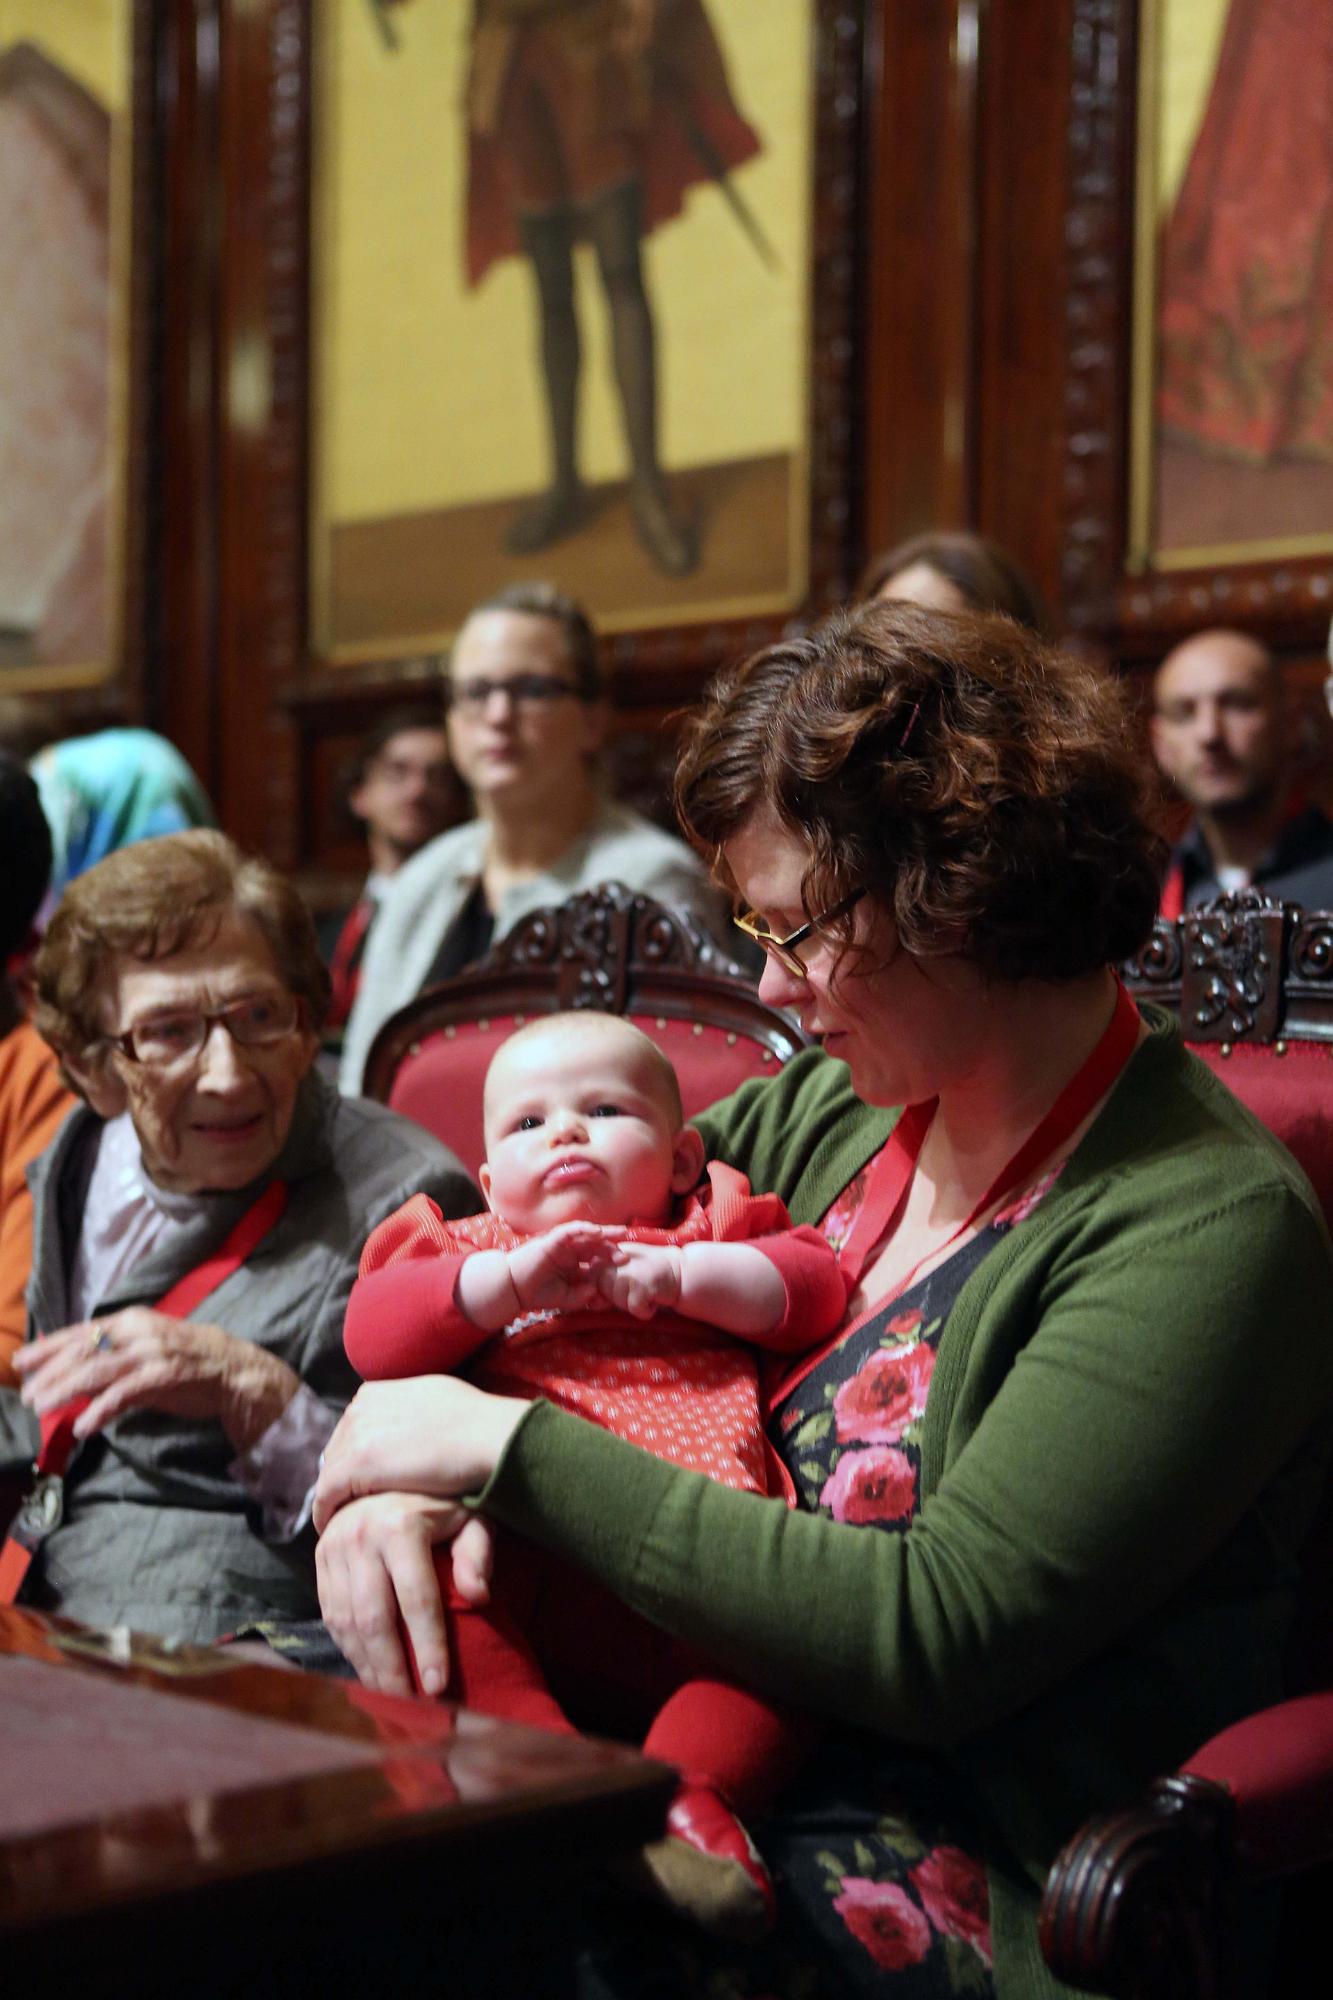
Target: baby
[602,1281]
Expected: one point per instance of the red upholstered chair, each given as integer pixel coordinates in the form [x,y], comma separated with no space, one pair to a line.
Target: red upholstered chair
[608,949]
[1140,1902]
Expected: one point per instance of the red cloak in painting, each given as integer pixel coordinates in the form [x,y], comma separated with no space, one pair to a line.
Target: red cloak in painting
[551,90]
[1246,317]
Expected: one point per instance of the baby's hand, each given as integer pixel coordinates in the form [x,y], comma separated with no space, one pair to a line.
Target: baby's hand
[561,1268]
[641,1277]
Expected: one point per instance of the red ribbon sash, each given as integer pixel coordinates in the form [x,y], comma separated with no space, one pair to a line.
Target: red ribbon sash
[892,1173]
[58,1440]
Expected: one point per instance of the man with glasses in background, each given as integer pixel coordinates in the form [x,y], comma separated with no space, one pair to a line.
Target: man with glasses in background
[526,714]
[401,791]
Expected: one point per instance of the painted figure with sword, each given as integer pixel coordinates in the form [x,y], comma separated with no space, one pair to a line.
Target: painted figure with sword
[588,121]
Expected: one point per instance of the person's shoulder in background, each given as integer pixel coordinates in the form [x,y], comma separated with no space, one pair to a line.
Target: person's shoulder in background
[33,1105]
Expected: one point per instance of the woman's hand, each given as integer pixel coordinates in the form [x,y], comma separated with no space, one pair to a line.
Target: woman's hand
[377,1584]
[430,1434]
[141,1359]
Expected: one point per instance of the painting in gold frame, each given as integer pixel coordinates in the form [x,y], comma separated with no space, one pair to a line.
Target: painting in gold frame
[1231,447]
[67,157]
[435,427]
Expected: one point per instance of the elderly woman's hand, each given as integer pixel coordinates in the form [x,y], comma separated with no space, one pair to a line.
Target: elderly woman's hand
[141,1359]
[377,1584]
[430,1434]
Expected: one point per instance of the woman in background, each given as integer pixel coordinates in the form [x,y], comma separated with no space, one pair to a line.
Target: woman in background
[954,571]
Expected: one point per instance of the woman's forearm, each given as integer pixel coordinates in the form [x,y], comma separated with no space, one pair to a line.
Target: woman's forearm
[256,1389]
[1092,1492]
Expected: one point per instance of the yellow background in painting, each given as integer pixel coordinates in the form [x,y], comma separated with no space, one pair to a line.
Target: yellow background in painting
[1191,34]
[427,392]
[86,37]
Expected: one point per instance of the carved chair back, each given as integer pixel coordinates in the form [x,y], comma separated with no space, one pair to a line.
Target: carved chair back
[608,949]
[1251,981]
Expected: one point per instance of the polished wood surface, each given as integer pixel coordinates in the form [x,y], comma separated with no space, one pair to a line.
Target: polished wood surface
[142,1784]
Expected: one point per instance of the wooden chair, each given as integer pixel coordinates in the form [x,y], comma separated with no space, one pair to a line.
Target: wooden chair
[607,949]
[1140,1902]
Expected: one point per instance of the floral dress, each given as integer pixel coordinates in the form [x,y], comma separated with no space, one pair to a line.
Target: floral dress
[876,1858]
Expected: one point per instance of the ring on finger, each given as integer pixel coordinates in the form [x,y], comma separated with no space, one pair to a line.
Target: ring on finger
[99,1340]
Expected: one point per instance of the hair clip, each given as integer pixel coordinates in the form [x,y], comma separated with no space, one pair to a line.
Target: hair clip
[911,725]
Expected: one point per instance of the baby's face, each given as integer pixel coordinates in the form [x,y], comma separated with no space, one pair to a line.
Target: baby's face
[578,1129]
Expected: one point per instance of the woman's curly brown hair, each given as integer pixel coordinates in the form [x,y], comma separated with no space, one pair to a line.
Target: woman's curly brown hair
[985,788]
[155,898]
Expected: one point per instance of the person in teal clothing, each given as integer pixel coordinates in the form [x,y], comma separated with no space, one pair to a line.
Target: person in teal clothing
[107,790]
[1057,1466]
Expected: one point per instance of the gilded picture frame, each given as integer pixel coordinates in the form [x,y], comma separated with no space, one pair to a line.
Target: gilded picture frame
[1231,397]
[76,98]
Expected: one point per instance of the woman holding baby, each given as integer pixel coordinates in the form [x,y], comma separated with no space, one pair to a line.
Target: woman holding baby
[1055,1466]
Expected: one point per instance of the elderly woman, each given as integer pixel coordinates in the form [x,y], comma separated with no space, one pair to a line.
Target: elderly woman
[954,570]
[196,1230]
[1056,1469]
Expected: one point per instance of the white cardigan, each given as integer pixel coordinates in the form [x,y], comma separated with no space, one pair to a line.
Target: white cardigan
[423,898]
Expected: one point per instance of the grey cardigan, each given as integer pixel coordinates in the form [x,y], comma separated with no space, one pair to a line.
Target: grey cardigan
[428,892]
[157,1533]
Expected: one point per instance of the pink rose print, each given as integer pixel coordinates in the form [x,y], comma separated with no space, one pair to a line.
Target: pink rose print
[883,1918]
[875,1485]
[907,1322]
[952,1887]
[885,1396]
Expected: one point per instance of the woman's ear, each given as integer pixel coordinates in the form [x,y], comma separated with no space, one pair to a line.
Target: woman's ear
[98,1084]
[687,1160]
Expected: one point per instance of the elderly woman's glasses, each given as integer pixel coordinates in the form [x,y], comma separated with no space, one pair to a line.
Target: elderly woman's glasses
[168,1039]
[786,949]
[471,696]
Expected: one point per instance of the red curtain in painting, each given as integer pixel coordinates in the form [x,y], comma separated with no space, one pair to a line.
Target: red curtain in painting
[1246,314]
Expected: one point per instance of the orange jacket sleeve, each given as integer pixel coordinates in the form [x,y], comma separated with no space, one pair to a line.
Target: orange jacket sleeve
[33,1103]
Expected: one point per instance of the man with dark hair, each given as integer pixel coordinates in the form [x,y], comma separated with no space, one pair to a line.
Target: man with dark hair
[33,1101]
[527,715]
[1221,732]
[401,791]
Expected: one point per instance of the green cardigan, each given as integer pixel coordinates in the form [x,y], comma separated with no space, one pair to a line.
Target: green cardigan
[1123,1447]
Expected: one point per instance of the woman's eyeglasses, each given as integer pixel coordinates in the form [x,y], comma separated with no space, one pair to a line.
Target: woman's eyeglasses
[169,1039]
[470,697]
[786,949]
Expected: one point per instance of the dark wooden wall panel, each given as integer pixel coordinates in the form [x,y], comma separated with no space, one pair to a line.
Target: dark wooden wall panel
[1022,274]
[184,677]
[918,348]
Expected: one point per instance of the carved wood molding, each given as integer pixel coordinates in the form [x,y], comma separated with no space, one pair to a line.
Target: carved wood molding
[1096,310]
[141,551]
[283,590]
[1136,1903]
[1133,614]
